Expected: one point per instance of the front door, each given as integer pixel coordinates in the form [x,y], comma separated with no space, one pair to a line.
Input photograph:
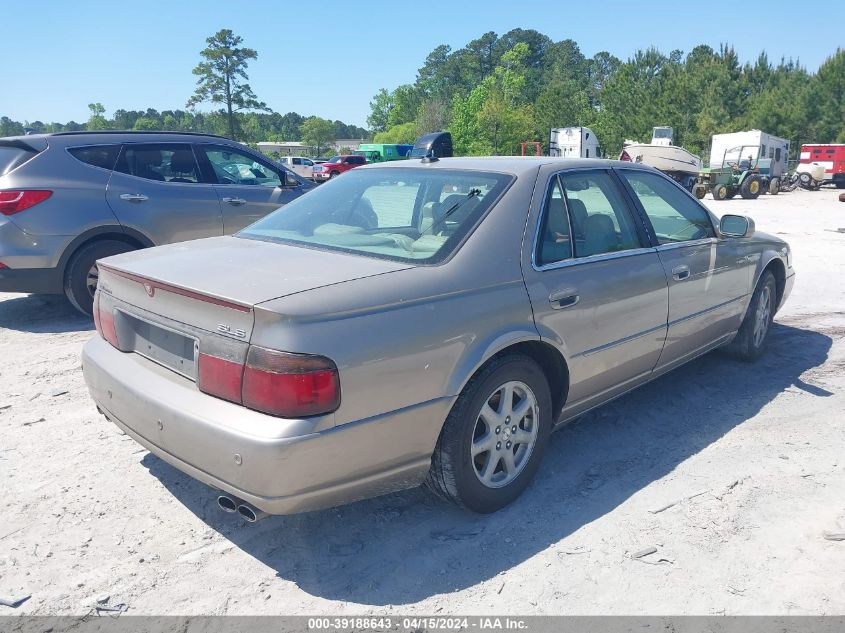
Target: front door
[248,187]
[708,277]
[597,289]
[157,189]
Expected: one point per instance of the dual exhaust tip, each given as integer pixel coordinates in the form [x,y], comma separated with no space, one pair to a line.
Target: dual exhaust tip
[248,512]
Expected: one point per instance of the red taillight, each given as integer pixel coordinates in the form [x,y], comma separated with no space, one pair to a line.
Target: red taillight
[3,266]
[278,383]
[625,156]
[12,202]
[220,377]
[290,385]
[104,322]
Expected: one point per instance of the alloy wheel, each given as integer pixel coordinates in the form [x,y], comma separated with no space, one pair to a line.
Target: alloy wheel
[762,318]
[505,434]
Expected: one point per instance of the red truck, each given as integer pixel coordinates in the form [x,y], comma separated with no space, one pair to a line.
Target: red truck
[831,156]
[336,165]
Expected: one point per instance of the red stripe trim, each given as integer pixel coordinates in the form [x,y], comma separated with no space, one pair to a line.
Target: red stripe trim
[184,292]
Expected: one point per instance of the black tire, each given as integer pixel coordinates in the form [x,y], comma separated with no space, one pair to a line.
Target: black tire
[774,186]
[840,184]
[81,263]
[747,345]
[699,191]
[719,192]
[333,174]
[750,189]
[453,474]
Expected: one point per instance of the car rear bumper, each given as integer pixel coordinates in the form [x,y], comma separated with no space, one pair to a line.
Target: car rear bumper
[277,472]
[33,280]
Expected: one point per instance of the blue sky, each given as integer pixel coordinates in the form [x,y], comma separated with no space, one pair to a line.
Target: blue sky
[328,57]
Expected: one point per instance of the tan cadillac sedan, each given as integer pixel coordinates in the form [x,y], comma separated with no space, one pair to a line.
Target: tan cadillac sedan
[422,321]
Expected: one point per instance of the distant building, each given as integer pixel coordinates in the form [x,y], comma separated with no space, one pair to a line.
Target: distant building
[296,148]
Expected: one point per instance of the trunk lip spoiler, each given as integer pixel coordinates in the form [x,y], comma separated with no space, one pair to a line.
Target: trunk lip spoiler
[151,285]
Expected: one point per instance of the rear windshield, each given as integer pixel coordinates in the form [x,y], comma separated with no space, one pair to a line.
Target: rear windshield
[12,156]
[414,215]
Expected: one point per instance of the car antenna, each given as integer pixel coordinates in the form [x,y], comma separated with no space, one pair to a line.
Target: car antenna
[429,157]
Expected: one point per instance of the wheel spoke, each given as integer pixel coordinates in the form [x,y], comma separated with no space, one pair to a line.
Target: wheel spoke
[506,403]
[522,436]
[490,467]
[521,410]
[510,464]
[482,444]
[490,417]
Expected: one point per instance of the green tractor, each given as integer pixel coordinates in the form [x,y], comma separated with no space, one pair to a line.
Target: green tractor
[739,173]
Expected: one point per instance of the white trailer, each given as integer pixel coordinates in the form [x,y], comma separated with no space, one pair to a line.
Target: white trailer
[754,144]
[573,142]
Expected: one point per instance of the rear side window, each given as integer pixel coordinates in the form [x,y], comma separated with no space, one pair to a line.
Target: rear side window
[12,156]
[600,218]
[555,239]
[165,162]
[103,156]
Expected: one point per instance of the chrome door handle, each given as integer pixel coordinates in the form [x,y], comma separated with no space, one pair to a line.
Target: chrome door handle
[134,197]
[235,201]
[679,273]
[564,298]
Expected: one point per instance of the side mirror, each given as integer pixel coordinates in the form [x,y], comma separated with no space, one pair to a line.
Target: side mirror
[736,226]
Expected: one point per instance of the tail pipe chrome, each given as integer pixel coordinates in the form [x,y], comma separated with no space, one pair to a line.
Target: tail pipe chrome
[250,513]
[228,503]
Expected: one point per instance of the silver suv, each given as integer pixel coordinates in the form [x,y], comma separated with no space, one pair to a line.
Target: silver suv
[69,199]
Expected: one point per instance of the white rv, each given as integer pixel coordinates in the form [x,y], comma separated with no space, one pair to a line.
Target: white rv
[752,144]
[573,142]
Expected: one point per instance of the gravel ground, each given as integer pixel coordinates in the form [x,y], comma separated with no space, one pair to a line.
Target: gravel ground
[752,457]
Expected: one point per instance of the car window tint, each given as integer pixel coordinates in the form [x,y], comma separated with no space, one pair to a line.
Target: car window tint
[235,168]
[170,162]
[675,216]
[103,156]
[555,240]
[600,218]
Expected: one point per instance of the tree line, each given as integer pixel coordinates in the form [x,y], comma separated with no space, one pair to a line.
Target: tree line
[499,91]
[251,126]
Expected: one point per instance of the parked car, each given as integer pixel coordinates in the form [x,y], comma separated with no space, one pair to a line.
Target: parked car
[336,165]
[68,199]
[299,165]
[414,322]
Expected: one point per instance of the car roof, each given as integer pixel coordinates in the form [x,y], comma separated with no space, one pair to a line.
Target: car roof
[516,165]
[118,136]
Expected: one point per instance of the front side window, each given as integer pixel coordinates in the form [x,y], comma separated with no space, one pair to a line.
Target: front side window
[415,215]
[164,162]
[675,216]
[599,216]
[232,167]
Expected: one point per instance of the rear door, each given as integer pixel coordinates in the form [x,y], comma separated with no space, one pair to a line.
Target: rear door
[596,286]
[708,277]
[158,189]
[247,186]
